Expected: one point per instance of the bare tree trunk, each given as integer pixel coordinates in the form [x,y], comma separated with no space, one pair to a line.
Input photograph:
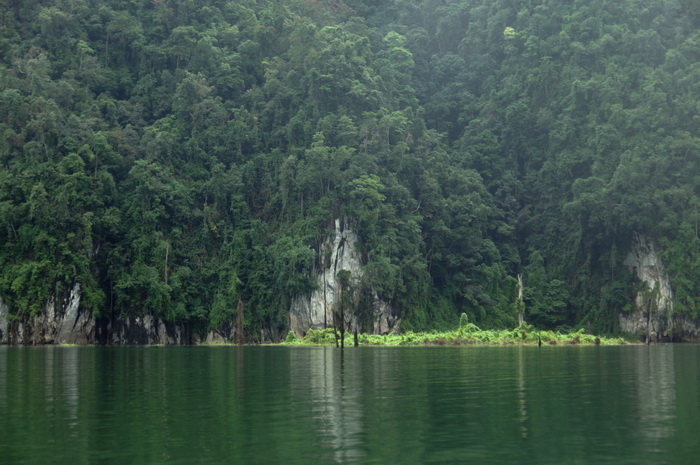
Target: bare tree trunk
[649,321]
[239,323]
[520,303]
[335,328]
[342,323]
[165,268]
[344,283]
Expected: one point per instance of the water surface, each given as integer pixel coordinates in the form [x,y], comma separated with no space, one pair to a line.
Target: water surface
[280,405]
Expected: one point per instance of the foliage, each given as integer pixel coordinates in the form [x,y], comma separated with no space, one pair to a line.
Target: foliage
[474,337]
[466,334]
[174,157]
[291,338]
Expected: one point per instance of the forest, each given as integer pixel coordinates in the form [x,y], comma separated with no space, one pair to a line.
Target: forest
[177,156]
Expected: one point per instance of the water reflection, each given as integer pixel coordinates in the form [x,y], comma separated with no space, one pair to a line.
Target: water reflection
[522,404]
[59,369]
[3,378]
[623,405]
[656,379]
[333,386]
[69,372]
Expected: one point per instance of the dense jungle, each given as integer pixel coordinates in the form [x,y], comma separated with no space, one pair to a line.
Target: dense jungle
[177,156]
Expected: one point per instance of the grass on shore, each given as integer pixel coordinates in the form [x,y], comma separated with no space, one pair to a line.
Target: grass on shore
[468,334]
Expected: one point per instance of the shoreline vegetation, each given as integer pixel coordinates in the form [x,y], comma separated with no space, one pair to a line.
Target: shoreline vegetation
[471,335]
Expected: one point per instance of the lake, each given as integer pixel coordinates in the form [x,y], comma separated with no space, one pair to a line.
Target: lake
[312,405]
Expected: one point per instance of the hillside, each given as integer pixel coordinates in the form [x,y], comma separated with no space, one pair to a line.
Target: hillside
[176,156]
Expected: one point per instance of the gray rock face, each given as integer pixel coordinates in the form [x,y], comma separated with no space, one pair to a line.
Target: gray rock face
[75,327]
[63,321]
[653,316]
[145,330]
[224,334]
[316,310]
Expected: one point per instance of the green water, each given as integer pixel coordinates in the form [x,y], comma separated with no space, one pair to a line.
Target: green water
[277,405]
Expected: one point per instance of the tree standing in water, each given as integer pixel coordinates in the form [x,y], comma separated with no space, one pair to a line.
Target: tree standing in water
[344,277]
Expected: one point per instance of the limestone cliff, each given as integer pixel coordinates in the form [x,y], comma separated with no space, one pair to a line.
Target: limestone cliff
[145,330]
[653,317]
[338,253]
[63,321]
